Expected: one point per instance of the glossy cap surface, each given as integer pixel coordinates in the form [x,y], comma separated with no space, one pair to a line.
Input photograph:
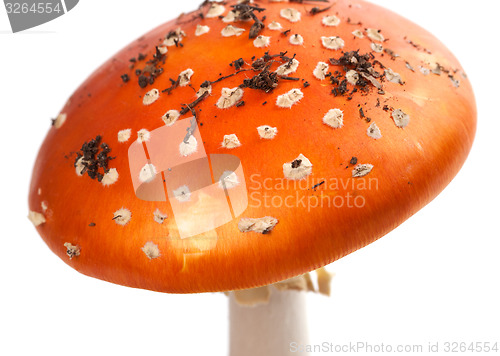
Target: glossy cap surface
[317,160]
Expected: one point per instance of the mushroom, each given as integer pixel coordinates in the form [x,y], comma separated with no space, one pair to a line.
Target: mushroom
[212,237]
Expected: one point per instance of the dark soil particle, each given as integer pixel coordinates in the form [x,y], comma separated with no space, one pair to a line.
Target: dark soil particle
[152,69]
[267,80]
[391,53]
[191,106]
[143,81]
[95,158]
[318,185]
[363,65]
[247,12]
[296,163]
[237,64]
[316,10]
[174,84]
[228,76]
[290,78]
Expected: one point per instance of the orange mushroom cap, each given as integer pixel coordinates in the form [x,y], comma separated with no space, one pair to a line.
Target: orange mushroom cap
[323,132]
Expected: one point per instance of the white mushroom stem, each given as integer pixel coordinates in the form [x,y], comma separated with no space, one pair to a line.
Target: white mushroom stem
[268,329]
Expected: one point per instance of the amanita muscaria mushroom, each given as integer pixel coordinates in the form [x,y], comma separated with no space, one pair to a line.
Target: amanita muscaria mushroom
[244,144]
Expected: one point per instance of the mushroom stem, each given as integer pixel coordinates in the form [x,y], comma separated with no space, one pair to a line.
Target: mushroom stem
[273,328]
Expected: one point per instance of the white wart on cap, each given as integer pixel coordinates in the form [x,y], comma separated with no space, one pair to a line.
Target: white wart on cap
[79,167]
[292,15]
[260,225]
[287,100]
[143,135]
[358,33]
[72,250]
[230,17]
[332,42]
[205,88]
[275,26]
[36,219]
[170,117]
[296,40]
[361,170]
[267,132]
[393,76]
[228,180]
[298,169]
[162,48]
[182,194]
[151,96]
[229,97]
[352,77]
[188,147]
[159,217]
[59,120]
[231,141]
[334,118]
[331,20]
[321,70]
[110,177]
[185,77]
[401,119]
[122,216]
[377,47]
[124,135]
[375,35]
[215,10]
[151,250]
[147,173]
[201,30]
[174,38]
[230,30]
[288,68]
[374,131]
[262,41]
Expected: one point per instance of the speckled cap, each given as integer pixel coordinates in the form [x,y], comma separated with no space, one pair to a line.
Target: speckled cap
[244,144]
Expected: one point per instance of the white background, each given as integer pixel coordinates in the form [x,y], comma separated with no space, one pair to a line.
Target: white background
[435,278]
